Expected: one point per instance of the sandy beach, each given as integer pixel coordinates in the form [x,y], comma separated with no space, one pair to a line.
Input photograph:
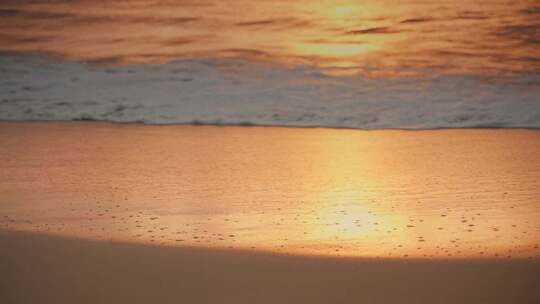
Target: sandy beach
[44,269]
[107,213]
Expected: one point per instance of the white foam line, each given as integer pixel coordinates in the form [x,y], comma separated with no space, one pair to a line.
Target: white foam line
[209,92]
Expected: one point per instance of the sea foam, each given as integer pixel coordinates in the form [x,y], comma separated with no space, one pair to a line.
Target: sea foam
[233,91]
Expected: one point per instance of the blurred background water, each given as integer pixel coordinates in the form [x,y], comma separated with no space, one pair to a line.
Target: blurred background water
[371,37]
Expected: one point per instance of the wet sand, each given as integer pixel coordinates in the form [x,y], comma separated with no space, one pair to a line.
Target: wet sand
[46,269]
[423,194]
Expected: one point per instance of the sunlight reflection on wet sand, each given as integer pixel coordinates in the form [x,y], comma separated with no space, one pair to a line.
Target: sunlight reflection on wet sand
[426,194]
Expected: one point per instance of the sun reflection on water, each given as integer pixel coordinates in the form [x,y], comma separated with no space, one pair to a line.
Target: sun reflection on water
[366,37]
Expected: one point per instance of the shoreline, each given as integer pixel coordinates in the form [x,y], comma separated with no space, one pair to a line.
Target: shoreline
[47,269]
[250,125]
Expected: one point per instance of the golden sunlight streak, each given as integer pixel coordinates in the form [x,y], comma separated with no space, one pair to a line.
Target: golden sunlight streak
[388,36]
[301,191]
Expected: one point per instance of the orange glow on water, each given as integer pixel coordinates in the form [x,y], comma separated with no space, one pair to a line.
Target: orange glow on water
[367,37]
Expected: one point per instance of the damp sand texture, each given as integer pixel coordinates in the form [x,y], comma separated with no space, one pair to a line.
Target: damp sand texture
[446,194]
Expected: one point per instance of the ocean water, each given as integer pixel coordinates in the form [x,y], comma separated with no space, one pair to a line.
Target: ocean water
[346,64]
